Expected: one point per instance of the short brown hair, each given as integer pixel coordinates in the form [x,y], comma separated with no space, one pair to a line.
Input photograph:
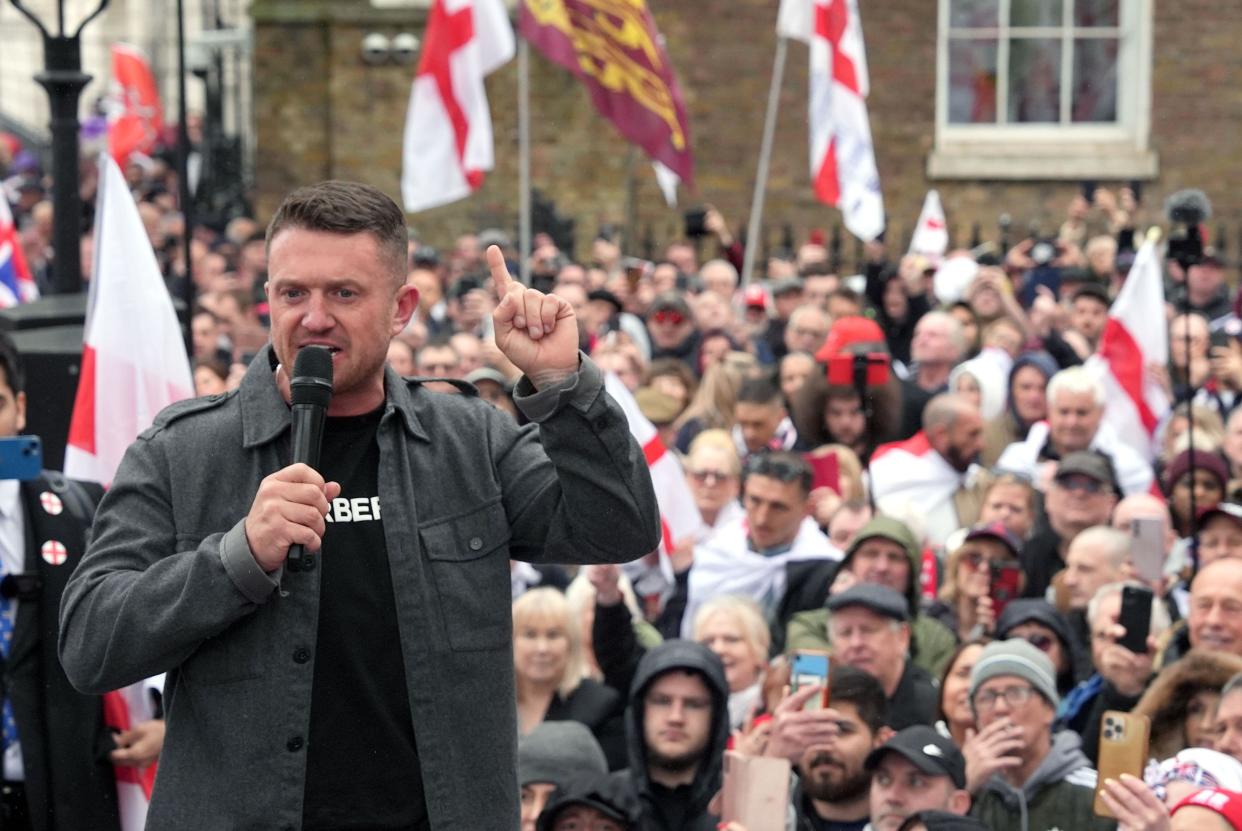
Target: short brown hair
[347,208]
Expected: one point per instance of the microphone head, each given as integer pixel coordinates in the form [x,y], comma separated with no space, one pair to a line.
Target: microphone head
[312,376]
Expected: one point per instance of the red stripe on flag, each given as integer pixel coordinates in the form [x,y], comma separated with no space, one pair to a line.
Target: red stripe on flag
[654,450]
[82,427]
[827,183]
[444,35]
[830,24]
[116,716]
[1125,360]
[916,445]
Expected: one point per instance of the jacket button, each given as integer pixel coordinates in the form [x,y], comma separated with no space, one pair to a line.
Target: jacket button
[294,744]
[308,562]
[301,655]
[476,543]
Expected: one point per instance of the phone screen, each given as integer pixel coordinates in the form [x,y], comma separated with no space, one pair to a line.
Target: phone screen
[810,669]
[1006,585]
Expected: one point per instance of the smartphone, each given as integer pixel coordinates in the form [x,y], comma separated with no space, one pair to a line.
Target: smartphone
[826,470]
[755,791]
[21,458]
[1135,617]
[1006,585]
[810,669]
[1147,549]
[696,225]
[1123,749]
[1136,187]
[1088,191]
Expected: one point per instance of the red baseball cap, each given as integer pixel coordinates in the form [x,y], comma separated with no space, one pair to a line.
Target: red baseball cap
[847,331]
[755,297]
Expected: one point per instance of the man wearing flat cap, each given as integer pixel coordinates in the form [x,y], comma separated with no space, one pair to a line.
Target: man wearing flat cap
[1029,776]
[917,769]
[870,628]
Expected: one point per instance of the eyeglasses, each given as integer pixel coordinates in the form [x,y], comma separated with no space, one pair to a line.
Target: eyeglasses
[1014,697]
[976,560]
[710,477]
[669,317]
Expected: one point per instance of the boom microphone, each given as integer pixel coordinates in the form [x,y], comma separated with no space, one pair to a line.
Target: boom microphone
[311,391]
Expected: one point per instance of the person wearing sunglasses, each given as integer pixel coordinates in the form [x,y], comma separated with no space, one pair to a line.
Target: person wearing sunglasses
[965,604]
[672,329]
[1024,774]
[1042,626]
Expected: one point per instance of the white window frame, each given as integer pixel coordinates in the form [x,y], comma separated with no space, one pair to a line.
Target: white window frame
[1053,151]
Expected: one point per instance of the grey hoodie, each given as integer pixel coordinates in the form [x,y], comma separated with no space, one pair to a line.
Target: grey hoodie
[1058,795]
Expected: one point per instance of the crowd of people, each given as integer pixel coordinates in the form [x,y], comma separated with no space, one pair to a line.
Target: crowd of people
[870,456]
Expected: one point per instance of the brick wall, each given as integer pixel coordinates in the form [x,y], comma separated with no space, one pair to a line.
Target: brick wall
[322,112]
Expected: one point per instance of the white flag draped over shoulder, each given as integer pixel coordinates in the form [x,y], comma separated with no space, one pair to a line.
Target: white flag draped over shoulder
[448,127]
[1135,337]
[843,167]
[931,234]
[680,520]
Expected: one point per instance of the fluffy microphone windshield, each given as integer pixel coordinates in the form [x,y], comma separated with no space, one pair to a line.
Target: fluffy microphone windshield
[312,376]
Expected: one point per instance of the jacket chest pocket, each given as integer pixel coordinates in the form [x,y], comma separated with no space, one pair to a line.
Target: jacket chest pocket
[469,558]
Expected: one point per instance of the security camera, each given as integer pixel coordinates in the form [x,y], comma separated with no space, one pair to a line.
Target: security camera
[405,48]
[376,49]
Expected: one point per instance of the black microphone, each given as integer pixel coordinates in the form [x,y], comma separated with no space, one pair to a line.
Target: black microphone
[311,391]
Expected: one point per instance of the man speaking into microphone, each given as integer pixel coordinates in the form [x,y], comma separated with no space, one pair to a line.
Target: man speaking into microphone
[372,686]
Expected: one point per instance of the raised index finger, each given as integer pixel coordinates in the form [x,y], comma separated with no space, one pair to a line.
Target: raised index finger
[500,271]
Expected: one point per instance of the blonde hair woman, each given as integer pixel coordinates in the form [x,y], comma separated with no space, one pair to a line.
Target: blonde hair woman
[550,674]
[712,405]
[733,627]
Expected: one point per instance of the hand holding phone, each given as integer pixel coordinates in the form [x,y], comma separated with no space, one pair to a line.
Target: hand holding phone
[1005,586]
[1147,549]
[21,458]
[1135,617]
[1124,738]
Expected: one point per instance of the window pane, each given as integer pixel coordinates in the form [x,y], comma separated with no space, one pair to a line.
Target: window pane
[1035,13]
[1095,79]
[1095,12]
[1034,80]
[972,82]
[973,14]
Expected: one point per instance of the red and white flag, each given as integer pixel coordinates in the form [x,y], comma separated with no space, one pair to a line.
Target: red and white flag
[133,361]
[133,365]
[1135,338]
[17,285]
[680,520]
[842,156]
[448,127]
[910,480]
[931,234]
[136,120]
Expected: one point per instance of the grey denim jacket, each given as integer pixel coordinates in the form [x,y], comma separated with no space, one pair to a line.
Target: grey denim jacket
[169,585]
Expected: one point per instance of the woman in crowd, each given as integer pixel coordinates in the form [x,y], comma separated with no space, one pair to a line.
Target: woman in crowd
[981,381]
[957,716]
[712,405]
[734,629]
[828,413]
[1181,701]
[965,604]
[1209,483]
[551,676]
[713,472]
[1026,404]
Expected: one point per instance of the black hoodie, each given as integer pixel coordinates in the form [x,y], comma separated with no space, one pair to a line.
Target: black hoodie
[683,808]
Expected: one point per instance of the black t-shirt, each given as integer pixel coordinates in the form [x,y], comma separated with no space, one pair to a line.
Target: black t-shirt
[362,767]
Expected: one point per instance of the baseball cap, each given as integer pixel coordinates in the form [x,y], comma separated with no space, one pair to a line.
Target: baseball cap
[927,750]
[785,285]
[1088,463]
[487,373]
[1229,509]
[611,797]
[879,599]
[995,531]
[670,301]
[847,331]
[1226,803]
[755,297]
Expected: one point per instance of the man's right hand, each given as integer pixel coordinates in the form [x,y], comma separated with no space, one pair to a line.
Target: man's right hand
[993,749]
[795,729]
[289,509]
[607,582]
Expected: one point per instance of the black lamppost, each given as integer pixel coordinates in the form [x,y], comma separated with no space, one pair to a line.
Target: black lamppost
[64,80]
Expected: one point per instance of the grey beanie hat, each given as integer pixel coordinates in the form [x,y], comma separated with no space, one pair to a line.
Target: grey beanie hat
[557,751]
[1018,658]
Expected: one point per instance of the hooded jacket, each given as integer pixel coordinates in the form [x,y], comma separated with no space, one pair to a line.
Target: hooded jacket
[1059,794]
[1169,695]
[692,798]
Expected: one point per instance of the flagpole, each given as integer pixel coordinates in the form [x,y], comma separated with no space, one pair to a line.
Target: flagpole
[524,234]
[765,154]
[183,175]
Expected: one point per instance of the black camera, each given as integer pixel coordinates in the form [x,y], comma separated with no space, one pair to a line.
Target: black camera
[1043,252]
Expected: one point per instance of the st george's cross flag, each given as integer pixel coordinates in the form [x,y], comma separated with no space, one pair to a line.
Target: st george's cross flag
[136,119]
[448,142]
[843,169]
[931,233]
